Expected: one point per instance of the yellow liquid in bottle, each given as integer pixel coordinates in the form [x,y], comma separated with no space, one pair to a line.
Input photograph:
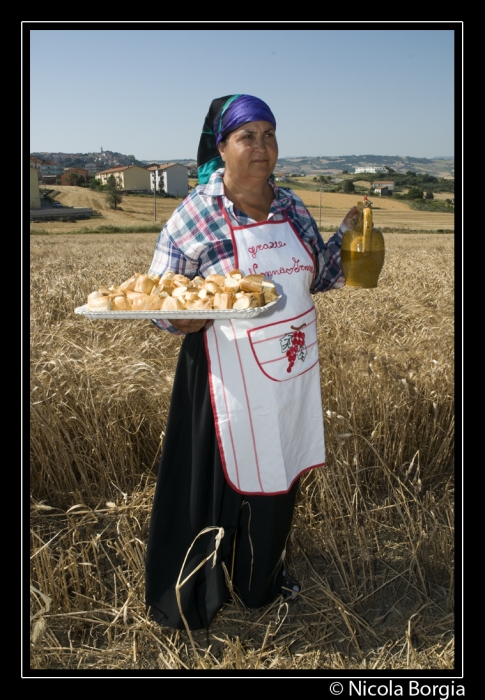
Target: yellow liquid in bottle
[362,269]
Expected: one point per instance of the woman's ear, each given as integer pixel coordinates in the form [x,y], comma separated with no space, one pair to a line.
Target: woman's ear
[221,150]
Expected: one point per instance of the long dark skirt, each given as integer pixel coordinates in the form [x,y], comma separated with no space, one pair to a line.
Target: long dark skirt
[192,494]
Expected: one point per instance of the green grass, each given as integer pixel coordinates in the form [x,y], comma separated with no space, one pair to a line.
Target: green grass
[109,228]
[305,185]
[431,205]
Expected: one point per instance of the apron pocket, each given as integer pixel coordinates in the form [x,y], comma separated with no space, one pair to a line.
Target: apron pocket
[286,349]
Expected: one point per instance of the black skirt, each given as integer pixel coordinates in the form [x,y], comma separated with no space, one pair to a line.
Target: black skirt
[192,494]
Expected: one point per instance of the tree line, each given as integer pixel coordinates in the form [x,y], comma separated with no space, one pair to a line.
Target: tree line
[418,186]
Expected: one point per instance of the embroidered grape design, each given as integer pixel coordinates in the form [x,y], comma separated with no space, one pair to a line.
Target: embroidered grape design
[294,346]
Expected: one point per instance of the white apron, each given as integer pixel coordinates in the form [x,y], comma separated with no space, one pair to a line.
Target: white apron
[264,372]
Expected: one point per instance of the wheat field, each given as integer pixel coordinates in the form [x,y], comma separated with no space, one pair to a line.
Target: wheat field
[373,535]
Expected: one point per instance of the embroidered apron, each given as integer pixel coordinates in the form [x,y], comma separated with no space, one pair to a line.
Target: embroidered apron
[264,372]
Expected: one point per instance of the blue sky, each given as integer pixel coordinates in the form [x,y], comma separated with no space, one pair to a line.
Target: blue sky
[333,91]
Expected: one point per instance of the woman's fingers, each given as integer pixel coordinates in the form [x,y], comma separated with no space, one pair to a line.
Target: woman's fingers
[351,217]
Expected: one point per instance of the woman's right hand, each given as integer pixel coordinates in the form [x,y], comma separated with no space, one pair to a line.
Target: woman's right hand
[351,217]
[189,325]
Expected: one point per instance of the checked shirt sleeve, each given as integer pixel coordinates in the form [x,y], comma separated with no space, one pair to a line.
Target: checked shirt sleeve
[329,268]
[168,257]
[328,274]
[195,241]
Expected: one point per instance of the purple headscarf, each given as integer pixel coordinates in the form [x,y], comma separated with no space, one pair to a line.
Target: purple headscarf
[241,110]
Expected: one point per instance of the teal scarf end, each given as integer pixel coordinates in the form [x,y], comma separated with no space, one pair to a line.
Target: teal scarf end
[205,171]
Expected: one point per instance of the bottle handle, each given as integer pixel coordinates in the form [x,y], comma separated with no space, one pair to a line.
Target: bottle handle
[367,229]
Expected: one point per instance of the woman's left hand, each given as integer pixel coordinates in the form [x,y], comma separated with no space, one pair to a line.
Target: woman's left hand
[351,217]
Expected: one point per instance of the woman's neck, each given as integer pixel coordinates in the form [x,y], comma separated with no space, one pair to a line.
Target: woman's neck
[254,200]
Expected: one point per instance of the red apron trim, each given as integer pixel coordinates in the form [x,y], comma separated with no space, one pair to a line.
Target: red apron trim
[248,405]
[216,417]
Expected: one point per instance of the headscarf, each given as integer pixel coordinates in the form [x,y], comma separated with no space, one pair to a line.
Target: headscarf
[225,115]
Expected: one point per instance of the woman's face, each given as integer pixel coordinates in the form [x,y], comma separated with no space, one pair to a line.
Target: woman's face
[250,152]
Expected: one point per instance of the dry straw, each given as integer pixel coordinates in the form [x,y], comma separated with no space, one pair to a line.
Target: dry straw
[373,543]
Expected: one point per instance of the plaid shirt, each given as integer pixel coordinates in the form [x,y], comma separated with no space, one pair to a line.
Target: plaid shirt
[197,241]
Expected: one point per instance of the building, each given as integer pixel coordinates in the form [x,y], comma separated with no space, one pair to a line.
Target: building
[382,191]
[65,179]
[34,189]
[383,187]
[371,169]
[129,178]
[36,163]
[92,168]
[172,178]
[50,169]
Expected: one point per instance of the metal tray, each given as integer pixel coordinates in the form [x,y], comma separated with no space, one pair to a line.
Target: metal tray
[167,315]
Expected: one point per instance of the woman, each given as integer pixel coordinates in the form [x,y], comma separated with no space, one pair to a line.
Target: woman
[245,419]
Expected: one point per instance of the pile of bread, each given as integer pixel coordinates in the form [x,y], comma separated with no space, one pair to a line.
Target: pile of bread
[174,292]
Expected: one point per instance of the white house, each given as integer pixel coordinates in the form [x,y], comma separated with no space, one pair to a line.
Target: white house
[171,177]
[371,169]
[129,178]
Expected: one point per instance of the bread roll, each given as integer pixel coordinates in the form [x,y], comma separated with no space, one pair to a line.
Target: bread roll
[256,300]
[191,296]
[212,288]
[217,279]
[269,292]
[129,284]
[146,302]
[172,304]
[144,284]
[132,295]
[223,300]
[120,302]
[242,302]
[179,292]
[231,284]
[199,304]
[197,281]
[252,283]
[180,281]
[99,302]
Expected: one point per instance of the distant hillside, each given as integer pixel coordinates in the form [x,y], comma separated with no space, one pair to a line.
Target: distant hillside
[308,165]
[439,167]
[328,165]
[189,162]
